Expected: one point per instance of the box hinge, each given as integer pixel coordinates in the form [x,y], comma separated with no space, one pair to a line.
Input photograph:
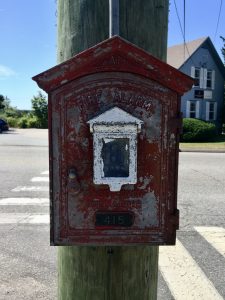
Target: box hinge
[174,218]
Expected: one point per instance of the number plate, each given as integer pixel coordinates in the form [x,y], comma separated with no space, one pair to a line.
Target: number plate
[123,219]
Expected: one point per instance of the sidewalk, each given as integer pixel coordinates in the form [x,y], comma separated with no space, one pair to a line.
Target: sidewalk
[202,148]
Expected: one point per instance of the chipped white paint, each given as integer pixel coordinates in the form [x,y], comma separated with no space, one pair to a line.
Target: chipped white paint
[114,125]
[114,116]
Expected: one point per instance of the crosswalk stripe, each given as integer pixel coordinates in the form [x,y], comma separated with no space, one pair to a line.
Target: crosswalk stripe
[24,201]
[40,179]
[45,173]
[215,236]
[183,276]
[23,218]
[31,189]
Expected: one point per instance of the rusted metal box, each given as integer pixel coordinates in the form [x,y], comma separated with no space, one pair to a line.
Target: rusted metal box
[114,124]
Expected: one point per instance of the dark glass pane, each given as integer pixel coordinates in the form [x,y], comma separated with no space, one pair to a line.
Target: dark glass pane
[196,81]
[209,83]
[211,115]
[192,106]
[115,156]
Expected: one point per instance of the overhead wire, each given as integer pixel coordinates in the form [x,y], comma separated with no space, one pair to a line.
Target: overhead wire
[218,20]
[183,31]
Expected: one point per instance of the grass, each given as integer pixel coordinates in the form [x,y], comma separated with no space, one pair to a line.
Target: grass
[216,144]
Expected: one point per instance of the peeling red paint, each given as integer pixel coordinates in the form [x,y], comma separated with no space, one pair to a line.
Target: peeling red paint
[114,73]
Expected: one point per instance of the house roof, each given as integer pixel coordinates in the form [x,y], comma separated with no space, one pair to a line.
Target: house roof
[177,55]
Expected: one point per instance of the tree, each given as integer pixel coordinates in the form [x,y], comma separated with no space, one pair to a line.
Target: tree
[40,109]
[109,272]
[223,54]
[2,99]
[223,49]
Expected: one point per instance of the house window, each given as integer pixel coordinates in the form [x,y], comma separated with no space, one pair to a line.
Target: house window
[199,94]
[203,78]
[197,76]
[211,111]
[192,110]
[209,79]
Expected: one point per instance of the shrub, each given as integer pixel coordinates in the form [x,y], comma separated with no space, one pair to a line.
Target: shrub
[32,122]
[195,130]
[13,122]
[22,122]
[223,128]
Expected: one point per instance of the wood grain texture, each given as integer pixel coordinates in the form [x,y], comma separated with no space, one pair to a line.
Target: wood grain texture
[109,273]
[84,23]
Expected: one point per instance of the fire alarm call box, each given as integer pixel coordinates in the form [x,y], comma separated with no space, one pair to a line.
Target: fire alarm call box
[114,122]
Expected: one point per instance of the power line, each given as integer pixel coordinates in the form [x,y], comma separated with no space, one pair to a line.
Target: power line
[183,31]
[218,20]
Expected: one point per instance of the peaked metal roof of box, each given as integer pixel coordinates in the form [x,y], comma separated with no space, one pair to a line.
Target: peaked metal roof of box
[177,55]
[114,55]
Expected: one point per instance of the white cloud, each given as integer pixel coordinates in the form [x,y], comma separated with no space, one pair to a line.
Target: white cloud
[6,71]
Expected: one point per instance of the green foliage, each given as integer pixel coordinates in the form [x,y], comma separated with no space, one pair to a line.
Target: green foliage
[40,109]
[223,48]
[2,99]
[22,122]
[195,130]
[223,128]
[32,122]
[13,122]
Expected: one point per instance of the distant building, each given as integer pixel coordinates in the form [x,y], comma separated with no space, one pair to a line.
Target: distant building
[200,60]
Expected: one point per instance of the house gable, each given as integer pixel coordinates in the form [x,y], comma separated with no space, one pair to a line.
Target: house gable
[205,100]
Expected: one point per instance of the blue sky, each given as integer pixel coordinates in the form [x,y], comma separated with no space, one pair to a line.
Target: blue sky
[28,39]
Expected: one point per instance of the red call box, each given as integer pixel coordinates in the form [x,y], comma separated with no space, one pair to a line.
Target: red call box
[114,123]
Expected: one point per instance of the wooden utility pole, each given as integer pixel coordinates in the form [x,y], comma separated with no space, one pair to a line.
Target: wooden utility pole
[109,273]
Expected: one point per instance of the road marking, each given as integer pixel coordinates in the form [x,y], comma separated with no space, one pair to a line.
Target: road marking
[25,201]
[215,236]
[45,173]
[184,277]
[31,189]
[20,218]
[40,179]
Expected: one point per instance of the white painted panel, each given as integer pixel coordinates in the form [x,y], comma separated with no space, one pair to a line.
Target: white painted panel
[213,79]
[188,104]
[207,111]
[215,111]
[205,79]
[207,94]
[201,84]
[215,236]
[193,72]
[184,277]
[197,109]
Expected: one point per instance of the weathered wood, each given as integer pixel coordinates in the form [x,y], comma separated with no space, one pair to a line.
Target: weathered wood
[97,273]
[109,273]
[84,23]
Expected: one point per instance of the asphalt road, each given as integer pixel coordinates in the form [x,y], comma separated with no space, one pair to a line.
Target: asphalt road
[194,269]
